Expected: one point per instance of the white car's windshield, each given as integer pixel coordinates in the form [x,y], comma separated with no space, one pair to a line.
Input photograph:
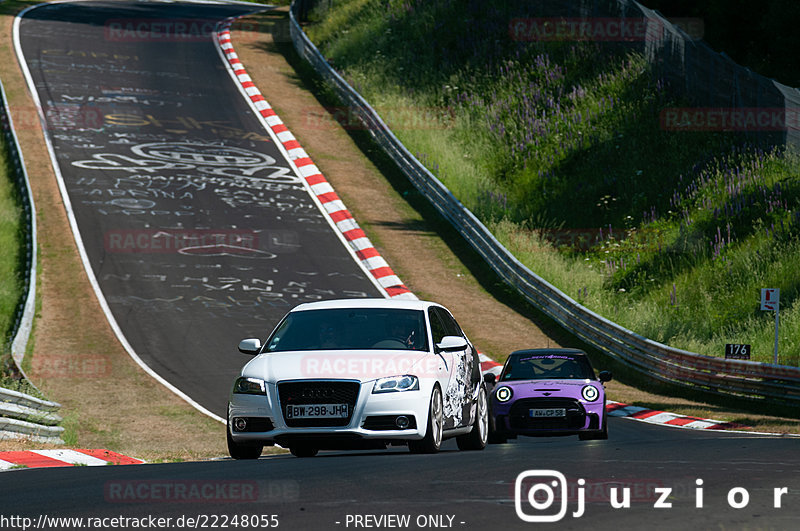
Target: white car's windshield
[353,328]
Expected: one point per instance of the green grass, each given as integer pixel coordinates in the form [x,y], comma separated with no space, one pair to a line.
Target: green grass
[12,251]
[12,257]
[71,425]
[21,386]
[546,140]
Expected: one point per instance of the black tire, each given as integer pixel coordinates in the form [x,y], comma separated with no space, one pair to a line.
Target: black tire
[495,437]
[597,435]
[240,450]
[303,450]
[432,441]
[479,436]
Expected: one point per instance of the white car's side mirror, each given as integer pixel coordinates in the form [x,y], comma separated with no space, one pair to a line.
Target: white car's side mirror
[451,344]
[250,346]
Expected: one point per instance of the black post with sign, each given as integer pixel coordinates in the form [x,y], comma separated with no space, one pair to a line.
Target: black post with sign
[735,351]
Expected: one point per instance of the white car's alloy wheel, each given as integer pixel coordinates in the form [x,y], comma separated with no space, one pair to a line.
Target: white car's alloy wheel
[432,441]
[437,421]
[476,439]
[483,417]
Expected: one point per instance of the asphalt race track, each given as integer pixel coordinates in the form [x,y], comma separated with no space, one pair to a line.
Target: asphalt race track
[199,234]
[195,227]
[476,488]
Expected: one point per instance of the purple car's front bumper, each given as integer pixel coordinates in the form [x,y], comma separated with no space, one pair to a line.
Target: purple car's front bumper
[514,417]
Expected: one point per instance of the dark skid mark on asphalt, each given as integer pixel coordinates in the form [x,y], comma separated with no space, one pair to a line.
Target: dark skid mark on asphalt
[196,230]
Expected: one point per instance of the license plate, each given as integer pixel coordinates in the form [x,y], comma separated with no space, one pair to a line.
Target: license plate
[317,411]
[547,413]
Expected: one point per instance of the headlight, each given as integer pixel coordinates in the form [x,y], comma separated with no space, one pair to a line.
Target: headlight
[590,393]
[504,394]
[249,386]
[396,383]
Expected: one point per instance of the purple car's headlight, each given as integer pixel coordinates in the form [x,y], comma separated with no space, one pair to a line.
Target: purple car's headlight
[590,393]
[504,394]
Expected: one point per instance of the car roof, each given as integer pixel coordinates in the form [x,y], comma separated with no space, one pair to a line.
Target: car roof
[574,352]
[401,304]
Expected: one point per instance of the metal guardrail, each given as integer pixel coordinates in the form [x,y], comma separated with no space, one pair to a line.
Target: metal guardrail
[22,415]
[23,319]
[22,400]
[748,379]
[26,417]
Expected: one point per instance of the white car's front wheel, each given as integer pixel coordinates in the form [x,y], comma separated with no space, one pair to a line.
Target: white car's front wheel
[242,451]
[303,450]
[432,441]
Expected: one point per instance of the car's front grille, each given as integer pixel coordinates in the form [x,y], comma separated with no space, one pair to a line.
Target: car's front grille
[519,417]
[311,392]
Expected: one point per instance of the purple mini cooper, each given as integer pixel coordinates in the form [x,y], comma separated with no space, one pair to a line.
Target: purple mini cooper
[546,392]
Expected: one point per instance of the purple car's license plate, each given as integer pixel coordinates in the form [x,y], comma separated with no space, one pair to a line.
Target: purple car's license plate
[548,413]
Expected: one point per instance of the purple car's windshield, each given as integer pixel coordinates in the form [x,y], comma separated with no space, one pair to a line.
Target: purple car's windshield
[350,329]
[547,367]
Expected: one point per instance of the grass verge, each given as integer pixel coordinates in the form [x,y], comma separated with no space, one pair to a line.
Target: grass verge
[12,259]
[559,148]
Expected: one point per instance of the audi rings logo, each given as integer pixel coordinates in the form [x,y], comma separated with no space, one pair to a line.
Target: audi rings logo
[317,392]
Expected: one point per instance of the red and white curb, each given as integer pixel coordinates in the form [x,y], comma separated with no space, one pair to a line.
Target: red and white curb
[488,365]
[332,205]
[55,458]
[652,416]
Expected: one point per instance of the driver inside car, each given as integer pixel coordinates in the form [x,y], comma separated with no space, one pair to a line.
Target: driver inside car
[403,331]
[328,336]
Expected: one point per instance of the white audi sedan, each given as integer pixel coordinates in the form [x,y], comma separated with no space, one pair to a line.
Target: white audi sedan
[356,374]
